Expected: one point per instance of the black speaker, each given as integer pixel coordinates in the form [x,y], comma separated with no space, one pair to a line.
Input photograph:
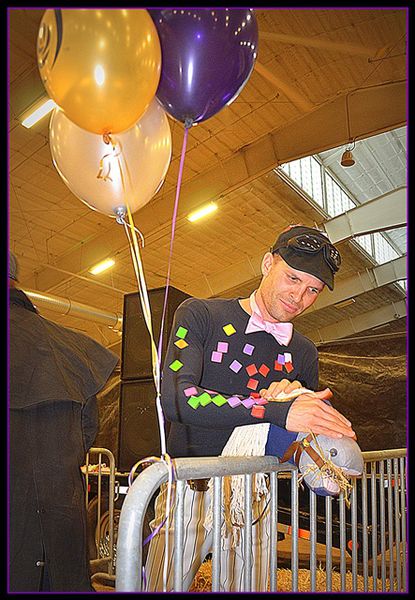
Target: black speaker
[136,347]
[139,432]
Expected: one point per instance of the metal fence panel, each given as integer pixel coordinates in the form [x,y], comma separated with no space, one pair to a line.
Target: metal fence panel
[373,526]
[102,476]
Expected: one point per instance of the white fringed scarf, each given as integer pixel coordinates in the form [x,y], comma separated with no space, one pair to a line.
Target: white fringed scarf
[247,440]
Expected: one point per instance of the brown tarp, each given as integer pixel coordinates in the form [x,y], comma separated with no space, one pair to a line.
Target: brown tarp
[368,377]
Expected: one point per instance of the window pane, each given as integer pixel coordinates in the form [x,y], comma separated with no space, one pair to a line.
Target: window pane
[347,203]
[330,197]
[337,199]
[295,172]
[383,250]
[306,175]
[317,194]
[365,242]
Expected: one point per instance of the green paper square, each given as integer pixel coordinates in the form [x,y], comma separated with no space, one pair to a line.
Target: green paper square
[219,400]
[194,402]
[176,365]
[181,332]
[229,329]
[205,399]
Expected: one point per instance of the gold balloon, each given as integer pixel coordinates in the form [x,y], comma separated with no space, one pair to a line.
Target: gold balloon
[101,67]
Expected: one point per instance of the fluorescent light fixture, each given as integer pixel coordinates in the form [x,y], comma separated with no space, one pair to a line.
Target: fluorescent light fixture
[102,266]
[344,303]
[202,212]
[37,112]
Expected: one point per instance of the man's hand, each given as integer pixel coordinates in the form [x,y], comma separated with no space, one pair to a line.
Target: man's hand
[277,387]
[309,412]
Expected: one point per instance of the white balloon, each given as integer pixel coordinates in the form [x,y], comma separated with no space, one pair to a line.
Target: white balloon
[109,176]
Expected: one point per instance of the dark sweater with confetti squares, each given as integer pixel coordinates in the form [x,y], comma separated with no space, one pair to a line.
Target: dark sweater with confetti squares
[213,372]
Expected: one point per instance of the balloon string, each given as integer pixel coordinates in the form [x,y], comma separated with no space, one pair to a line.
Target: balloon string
[156,354]
[142,288]
[173,227]
[114,154]
[121,220]
[170,496]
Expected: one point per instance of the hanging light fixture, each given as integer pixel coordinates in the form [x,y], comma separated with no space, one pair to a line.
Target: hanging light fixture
[347,159]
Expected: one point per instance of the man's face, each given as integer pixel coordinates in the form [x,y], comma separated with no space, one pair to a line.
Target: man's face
[284,292]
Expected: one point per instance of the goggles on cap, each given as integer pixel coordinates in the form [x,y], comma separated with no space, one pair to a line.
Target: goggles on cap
[310,243]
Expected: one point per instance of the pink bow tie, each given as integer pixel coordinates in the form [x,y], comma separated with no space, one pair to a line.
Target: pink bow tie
[282,332]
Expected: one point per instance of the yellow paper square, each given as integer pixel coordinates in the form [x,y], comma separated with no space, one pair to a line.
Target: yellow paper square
[181,344]
[229,329]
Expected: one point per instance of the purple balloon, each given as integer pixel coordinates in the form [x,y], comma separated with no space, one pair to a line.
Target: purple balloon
[207,57]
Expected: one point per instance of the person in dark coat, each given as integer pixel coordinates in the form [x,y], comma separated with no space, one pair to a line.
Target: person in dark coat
[54,376]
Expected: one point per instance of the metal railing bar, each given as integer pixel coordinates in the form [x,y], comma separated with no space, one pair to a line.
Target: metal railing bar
[397,482]
[342,512]
[329,541]
[248,533]
[217,523]
[353,503]
[364,527]
[390,524]
[402,464]
[382,524]
[178,536]
[273,533]
[313,540]
[374,525]
[294,525]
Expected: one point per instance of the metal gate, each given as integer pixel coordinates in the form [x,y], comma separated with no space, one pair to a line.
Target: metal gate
[370,535]
[100,500]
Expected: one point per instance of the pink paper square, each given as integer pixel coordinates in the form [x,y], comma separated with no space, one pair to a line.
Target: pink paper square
[216,357]
[235,366]
[222,347]
[248,402]
[191,391]
[248,349]
[261,401]
[234,401]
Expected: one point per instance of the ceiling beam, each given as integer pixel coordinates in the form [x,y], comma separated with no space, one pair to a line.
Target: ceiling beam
[362,282]
[382,213]
[26,92]
[321,43]
[248,269]
[352,325]
[288,90]
[350,287]
[236,275]
[372,110]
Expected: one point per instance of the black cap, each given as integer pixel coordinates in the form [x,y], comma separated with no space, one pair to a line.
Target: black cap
[313,263]
[13,267]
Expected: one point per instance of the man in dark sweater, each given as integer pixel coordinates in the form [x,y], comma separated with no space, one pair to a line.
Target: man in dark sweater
[227,363]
